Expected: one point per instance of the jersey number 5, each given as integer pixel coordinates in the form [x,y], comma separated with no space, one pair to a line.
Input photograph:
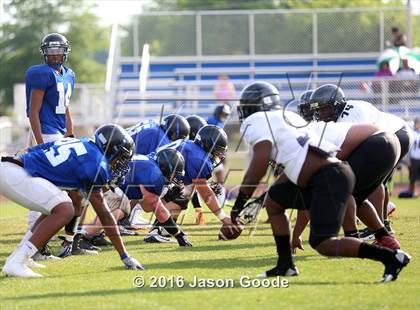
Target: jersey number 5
[63,98]
[64,151]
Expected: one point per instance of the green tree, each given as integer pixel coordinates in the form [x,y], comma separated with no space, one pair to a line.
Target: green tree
[30,21]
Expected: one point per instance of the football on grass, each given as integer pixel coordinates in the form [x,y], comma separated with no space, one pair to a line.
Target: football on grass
[230,232]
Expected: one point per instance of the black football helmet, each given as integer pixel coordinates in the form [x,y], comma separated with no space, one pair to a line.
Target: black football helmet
[196,123]
[327,102]
[304,107]
[175,126]
[222,112]
[213,140]
[171,163]
[118,148]
[258,96]
[54,44]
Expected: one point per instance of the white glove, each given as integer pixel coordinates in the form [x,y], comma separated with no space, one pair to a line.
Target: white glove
[132,263]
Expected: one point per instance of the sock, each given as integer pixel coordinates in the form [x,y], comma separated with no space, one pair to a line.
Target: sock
[26,251]
[71,226]
[351,233]
[284,250]
[156,223]
[25,238]
[195,201]
[170,226]
[382,232]
[375,252]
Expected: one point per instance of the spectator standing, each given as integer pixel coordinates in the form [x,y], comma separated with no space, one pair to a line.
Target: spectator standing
[224,90]
[398,38]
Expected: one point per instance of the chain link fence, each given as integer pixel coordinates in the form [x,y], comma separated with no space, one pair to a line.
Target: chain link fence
[262,32]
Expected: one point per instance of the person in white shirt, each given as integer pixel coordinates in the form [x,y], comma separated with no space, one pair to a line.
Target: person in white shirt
[327,181]
[328,103]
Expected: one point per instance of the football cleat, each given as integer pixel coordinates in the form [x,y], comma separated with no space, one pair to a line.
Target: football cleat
[182,239]
[45,253]
[289,271]
[155,236]
[126,232]
[99,240]
[15,269]
[389,242]
[66,247]
[81,246]
[366,235]
[33,264]
[393,269]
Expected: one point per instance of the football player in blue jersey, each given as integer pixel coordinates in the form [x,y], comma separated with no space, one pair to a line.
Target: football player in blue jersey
[220,116]
[35,180]
[148,178]
[150,135]
[48,90]
[201,156]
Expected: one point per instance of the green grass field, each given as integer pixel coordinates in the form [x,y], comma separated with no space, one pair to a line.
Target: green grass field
[100,282]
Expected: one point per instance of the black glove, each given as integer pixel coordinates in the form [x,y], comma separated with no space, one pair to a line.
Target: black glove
[217,188]
[238,206]
[182,239]
[174,192]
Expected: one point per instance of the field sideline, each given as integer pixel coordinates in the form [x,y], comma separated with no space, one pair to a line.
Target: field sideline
[100,282]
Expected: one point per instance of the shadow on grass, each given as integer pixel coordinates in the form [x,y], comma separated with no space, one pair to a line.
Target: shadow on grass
[188,286]
[10,241]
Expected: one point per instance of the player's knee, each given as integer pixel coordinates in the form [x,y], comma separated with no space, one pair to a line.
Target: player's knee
[65,210]
[272,207]
[316,241]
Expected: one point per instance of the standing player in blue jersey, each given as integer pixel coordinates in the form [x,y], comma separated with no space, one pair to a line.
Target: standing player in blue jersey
[201,156]
[150,135]
[35,180]
[48,90]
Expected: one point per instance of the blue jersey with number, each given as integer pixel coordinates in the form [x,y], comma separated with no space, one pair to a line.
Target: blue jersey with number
[58,89]
[69,163]
[148,136]
[214,121]
[198,165]
[143,171]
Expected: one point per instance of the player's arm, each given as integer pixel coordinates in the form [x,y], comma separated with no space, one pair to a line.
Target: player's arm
[255,172]
[207,194]
[69,124]
[302,221]
[98,202]
[35,103]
